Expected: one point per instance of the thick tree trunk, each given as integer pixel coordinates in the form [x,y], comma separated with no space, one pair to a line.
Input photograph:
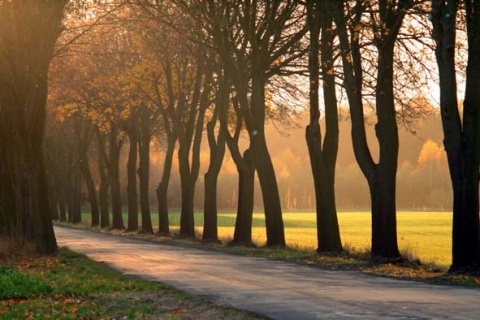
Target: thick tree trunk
[210,229]
[323,161]
[271,198]
[328,232]
[144,175]
[264,167]
[381,177]
[383,183]
[62,202]
[104,206]
[384,232]
[92,194]
[162,189]
[217,152]
[466,246]
[461,143]
[189,173]
[114,173]
[104,182]
[243,225]
[132,182]
[23,78]
[76,196]
[52,193]
[187,223]
[40,207]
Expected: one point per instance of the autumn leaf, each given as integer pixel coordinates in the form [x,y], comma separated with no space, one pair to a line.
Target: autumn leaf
[177,313]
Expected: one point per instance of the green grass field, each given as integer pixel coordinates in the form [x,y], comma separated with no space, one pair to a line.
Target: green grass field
[422,235]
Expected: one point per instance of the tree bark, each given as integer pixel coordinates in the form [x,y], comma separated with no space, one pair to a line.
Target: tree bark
[217,152]
[264,166]
[62,197]
[132,181]
[246,187]
[44,236]
[75,213]
[188,137]
[381,176]
[104,181]
[114,173]
[189,175]
[461,141]
[323,160]
[162,189]
[92,194]
[23,78]
[383,183]
[144,175]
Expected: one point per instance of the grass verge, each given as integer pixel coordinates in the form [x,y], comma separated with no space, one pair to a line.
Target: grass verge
[70,286]
[354,259]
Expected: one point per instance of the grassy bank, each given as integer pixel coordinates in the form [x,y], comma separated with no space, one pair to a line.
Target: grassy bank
[70,286]
[421,235]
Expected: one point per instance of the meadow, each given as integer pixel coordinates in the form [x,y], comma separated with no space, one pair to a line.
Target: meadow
[421,235]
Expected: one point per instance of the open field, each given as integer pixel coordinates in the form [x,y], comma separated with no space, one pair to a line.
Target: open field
[422,235]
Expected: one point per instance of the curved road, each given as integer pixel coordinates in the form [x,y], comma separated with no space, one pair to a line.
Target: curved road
[278,290]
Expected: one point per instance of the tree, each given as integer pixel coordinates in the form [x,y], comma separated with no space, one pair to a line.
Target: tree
[461,132]
[217,152]
[255,40]
[323,155]
[383,23]
[246,179]
[28,34]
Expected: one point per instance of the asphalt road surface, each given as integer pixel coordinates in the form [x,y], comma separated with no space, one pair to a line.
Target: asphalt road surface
[278,290]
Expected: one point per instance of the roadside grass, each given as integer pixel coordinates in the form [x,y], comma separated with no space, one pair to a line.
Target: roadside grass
[424,240]
[423,236]
[70,286]
[355,258]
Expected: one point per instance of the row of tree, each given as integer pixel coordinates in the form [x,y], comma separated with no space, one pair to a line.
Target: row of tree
[422,177]
[169,69]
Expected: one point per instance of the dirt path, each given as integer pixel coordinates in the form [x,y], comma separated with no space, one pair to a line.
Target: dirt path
[278,290]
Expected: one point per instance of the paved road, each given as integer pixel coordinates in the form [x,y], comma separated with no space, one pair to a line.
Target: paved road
[275,289]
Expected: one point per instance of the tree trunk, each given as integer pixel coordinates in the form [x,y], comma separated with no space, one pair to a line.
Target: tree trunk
[44,235]
[62,202]
[162,189]
[189,173]
[264,167]
[114,173]
[144,175]
[187,223]
[323,161]
[383,183]
[246,186]
[328,233]
[132,182]
[381,177]
[217,152]
[104,182]
[23,77]
[465,240]
[461,144]
[52,193]
[92,194]
[384,232]
[76,194]
[210,229]
[271,198]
